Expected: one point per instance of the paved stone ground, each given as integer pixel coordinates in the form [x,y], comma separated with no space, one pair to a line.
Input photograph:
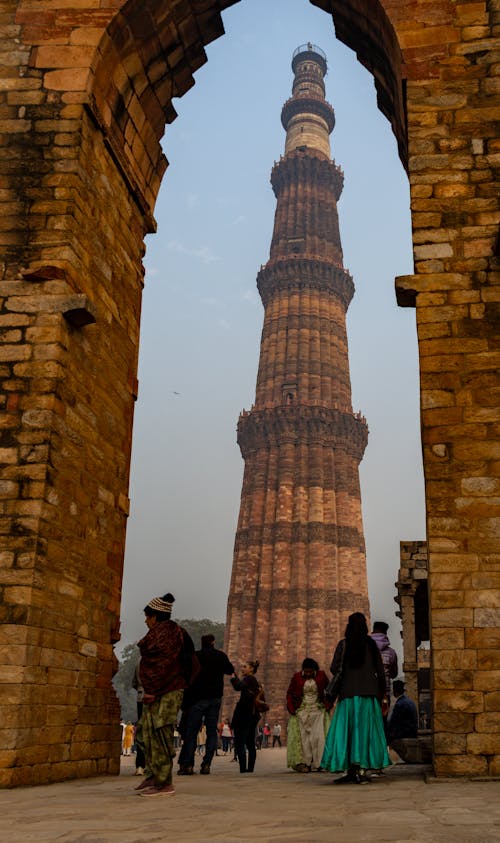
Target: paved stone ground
[273,805]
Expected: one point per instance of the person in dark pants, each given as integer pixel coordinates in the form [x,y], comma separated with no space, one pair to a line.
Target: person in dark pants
[245,717]
[140,761]
[201,704]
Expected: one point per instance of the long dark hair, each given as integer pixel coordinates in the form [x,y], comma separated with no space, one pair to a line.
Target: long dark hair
[356,635]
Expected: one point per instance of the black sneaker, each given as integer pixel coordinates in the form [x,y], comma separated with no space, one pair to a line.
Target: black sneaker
[205,769]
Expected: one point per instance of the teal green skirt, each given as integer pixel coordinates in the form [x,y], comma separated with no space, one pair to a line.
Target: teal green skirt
[356,736]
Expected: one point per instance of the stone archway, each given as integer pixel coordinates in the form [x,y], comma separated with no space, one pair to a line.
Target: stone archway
[86,94]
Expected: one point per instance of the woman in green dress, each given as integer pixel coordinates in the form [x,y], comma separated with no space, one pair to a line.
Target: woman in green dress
[356,741]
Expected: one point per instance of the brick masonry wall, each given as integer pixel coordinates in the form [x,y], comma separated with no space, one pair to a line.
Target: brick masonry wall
[69,392]
[81,118]
[453,106]
[412,572]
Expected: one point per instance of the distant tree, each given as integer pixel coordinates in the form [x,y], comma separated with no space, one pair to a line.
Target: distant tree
[122,683]
[197,628]
[122,680]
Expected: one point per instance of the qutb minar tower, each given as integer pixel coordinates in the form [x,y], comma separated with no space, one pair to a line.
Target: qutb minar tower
[299,566]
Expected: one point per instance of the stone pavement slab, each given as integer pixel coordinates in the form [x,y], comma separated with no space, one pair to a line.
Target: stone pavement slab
[273,805]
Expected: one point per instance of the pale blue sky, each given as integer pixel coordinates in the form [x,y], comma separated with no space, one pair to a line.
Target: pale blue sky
[202,315]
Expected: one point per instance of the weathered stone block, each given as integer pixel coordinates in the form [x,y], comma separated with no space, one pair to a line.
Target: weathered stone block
[488,659]
[460,765]
[483,744]
[448,599]
[448,744]
[452,617]
[453,721]
[467,701]
[453,562]
[454,679]
[454,660]
[486,617]
[453,582]
[483,639]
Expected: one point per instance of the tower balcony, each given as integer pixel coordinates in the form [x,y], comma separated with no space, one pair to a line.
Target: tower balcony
[302,424]
[304,272]
[308,104]
[307,166]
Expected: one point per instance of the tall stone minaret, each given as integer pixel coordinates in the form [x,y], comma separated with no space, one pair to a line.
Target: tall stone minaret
[299,566]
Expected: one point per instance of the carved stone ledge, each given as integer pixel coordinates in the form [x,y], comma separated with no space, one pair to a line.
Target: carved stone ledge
[307,167]
[78,311]
[304,272]
[301,424]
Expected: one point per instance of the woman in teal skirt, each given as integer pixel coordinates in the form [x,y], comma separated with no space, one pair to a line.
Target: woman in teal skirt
[356,740]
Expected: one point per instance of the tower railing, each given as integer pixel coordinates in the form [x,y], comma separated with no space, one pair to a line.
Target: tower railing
[315,52]
[309,48]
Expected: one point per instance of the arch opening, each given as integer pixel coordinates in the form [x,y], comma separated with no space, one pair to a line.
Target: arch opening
[209,260]
[82,169]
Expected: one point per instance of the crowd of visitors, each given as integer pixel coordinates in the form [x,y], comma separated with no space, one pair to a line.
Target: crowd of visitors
[340,724]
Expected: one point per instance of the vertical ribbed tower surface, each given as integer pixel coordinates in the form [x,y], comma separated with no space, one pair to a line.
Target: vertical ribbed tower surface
[299,566]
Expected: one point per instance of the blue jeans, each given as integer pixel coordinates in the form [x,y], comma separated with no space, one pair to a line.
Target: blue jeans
[207,711]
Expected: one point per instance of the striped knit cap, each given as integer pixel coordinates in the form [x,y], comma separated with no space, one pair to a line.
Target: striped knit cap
[159,605]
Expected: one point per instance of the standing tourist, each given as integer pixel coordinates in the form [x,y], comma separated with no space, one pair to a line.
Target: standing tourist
[309,721]
[166,667]
[276,735]
[202,702]
[245,716]
[356,741]
[389,660]
[227,737]
[128,738]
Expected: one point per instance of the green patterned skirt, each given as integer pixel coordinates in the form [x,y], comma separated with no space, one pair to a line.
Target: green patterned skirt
[155,734]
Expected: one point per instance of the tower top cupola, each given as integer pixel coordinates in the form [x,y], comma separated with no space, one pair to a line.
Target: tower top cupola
[307,117]
[309,52]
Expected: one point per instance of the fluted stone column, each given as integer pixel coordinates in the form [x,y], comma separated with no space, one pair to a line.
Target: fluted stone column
[299,565]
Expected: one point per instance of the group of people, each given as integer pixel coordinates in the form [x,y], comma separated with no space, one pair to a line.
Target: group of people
[173,677]
[265,733]
[355,739]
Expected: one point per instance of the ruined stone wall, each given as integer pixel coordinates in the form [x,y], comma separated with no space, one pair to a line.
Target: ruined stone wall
[412,572]
[453,97]
[84,94]
[75,216]
[70,391]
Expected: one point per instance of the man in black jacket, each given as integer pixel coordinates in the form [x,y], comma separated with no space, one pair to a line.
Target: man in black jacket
[202,701]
